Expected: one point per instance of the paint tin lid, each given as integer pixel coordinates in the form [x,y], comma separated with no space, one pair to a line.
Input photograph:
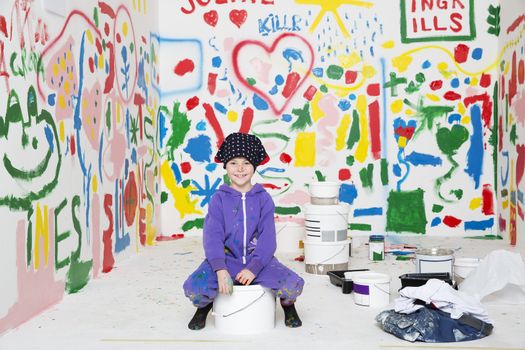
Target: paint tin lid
[435,251]
[371,278]
[376,238]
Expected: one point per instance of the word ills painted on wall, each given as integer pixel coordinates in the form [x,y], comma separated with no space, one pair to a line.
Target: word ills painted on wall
[437,20]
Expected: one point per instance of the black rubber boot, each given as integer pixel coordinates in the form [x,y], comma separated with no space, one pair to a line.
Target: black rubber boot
[199,319]
[291,318]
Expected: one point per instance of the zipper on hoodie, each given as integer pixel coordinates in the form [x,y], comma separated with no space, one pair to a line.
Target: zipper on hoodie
[244,226]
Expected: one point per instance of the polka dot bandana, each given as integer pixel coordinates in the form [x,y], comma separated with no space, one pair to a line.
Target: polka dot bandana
[239,144]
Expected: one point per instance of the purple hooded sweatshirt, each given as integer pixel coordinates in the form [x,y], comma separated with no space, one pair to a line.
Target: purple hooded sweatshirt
[239,229]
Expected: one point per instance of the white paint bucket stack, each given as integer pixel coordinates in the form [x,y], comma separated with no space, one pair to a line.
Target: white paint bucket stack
[248,310]
[326,246]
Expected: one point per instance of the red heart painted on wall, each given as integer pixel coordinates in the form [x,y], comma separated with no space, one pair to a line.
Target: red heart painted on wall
[211,17]
[247,53]
[238,17]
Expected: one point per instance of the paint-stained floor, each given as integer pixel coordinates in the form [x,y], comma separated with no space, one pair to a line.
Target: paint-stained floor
[140,305]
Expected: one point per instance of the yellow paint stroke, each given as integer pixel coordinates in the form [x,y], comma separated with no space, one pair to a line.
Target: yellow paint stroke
[475,203]
[94,184]
[403,58]
[461,108]
[505,204]
[432,97]
[61,101]
[390,44]
[100,62]
[305,149]
[232,116]
[396,106]
[347,61]
[317,113]
[151,230]
[41,232]
[369,71]
[332,6]
[89,36]
[361,151]
[125,29]
[342,130]
[402,142]
[465,120]
[181,195]
[118,112]
[61,131]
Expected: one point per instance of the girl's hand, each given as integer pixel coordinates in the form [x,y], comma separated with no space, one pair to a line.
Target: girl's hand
[245,277]
[225,282]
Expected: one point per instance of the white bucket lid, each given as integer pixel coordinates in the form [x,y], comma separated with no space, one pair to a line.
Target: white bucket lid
[332,209]
[371,278]
[249,288]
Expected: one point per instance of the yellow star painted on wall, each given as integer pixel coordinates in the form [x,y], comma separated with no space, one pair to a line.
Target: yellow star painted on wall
[332,6]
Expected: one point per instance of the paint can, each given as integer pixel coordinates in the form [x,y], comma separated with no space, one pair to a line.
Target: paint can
[376,247]
[326,223]
[248,310]
[321,257]
[430,260]
[371,289]
[463,267]
[288,237]
[324,192]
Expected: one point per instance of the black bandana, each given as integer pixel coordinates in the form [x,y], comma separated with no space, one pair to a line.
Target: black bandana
[239,144]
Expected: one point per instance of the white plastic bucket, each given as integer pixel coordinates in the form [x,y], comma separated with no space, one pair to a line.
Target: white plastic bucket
[431,260]
[463,267]
[288,237]
[326,223]
[371,289]
[249,309]
[324,189]
[321,257]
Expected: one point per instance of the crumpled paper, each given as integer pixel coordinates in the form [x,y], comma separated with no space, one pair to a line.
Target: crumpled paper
[499,278]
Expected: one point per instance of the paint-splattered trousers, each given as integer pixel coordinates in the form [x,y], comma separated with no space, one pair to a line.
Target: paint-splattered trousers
[201,287]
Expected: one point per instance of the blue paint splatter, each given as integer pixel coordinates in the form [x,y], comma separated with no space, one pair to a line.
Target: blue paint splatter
[199,148]
[216,62]
[318,72]
[435,222]
[344,105]
[292,55]
[397,170]
[454,83]
[347,193]
[352,97]
[259,103]
[454,118]
[176,172]
[211,167]
[279,80]
[275,170]
[368,211]
[207,191]
[475,152]
[286,118]
[220,108]
[467,81]
[162,129]
[134,156]
[49,138]
[201,126]
[426,65]
[417,158]
[479,225]
[477,53]
[51,99]
[274,90]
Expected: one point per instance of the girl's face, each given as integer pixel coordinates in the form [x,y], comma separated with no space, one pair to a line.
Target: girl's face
[240,171]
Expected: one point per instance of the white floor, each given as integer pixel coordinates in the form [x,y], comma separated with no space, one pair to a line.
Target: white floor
[140,305]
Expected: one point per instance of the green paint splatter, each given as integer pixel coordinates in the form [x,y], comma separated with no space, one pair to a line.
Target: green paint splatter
[360,227]
[403,258]
[427,113]
[319,175]
[384,172]
[334,72]
[513,135]
[457,193]
[350,160]
[449,141]
[493,139]
[366,175]
[163,197]
[180,125]
[494,19]
[251,81]
[303,118]
[287,210]
[226,180]
[108,117]
[355,133]
[323,89]
[436,208]
[95,16]
[197,223]
[186,183]
[78,275]
[406,212]
[487,237]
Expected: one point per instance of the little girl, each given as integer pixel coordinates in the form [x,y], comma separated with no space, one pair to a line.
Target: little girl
[239,237]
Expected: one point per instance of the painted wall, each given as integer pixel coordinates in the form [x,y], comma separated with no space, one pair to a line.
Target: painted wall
[79,177]
[511,123]
[395,99]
